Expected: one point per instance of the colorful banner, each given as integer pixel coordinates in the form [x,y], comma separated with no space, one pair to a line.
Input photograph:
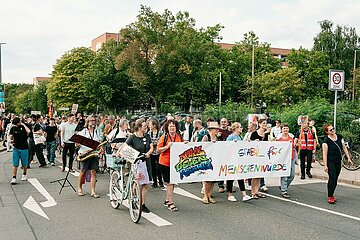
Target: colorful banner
[208,161]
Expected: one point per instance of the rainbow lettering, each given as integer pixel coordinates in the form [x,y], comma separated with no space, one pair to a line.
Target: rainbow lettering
[253,152]
[193,160]
[232,169]
[273,151]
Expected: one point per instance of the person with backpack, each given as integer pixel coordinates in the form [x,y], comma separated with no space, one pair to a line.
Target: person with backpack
[171,135]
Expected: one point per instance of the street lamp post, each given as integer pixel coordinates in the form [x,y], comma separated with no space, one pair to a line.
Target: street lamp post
[353,90]
[0,62]
[252,75]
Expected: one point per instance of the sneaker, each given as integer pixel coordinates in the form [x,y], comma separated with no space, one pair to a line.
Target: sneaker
[309,175]
[331,200]
[221,190]
[246,198]
[232,198]
[52,164]
[264,189]
[34,161]
[24,178]
[13,181]
[285,195]
[302,177]
[145,209]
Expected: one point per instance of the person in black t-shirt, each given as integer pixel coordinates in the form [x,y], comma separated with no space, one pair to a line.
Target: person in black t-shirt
[332,149]
[141,142]
[18,137]
[51,136]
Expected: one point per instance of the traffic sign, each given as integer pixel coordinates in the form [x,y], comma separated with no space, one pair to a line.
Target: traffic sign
[336,80]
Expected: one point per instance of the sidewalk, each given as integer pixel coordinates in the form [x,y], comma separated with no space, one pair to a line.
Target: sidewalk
[346,176]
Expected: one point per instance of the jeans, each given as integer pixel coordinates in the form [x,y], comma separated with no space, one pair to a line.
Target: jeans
[286,181]
[304,153]
[68,147]
[334,169]
[39,154]
[50,149]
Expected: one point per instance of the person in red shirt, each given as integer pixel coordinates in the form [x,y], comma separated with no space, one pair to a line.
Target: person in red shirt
[171,135]
[286,181]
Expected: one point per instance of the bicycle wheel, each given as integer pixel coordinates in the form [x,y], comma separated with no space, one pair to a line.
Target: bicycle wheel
[115,189]
[135,201]
[319,156]
[355,158]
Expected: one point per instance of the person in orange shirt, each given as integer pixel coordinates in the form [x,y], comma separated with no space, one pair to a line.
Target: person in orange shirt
[171,135]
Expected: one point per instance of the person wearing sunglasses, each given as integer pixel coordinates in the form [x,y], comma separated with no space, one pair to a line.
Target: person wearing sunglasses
[332,150]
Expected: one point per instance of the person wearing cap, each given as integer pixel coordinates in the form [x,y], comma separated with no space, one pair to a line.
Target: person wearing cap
[51,135]
[212,136]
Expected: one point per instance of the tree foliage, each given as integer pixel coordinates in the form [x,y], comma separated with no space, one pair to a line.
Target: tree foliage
[66,86]
[339,43]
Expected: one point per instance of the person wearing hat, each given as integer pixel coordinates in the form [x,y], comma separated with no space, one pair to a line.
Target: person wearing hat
[213,128]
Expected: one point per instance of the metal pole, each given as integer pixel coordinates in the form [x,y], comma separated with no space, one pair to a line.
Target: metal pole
[335,103]
[252,76]
[0,62]
[353,91]
[220,91]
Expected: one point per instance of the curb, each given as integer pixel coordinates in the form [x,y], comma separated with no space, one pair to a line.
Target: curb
[340,180]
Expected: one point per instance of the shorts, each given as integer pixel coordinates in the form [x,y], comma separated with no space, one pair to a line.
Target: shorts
[165,170]
[142,173]
[89,164]
[22,154]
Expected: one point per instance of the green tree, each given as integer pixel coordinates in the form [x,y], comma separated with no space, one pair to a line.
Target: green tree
[109,88]
[239,65]
[339,44]
[283,87]
[66,87]
[11,92]
[166,55]
[313,68]
[39,99]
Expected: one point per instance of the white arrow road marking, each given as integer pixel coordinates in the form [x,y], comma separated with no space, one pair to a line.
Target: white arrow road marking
[155,219]
[32,205]
[50,200]
[314,207]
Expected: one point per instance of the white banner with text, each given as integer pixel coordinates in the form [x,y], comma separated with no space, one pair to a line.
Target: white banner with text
[209,161]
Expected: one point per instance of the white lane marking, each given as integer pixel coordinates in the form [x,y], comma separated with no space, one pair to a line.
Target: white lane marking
[75,174]
[314,207]
[50,200]
[32,205]
[184,193]
[152,217]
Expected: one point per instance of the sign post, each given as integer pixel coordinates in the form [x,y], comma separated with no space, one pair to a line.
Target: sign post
[336,83]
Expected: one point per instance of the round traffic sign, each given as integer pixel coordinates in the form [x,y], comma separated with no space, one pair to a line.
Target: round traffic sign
[336,78]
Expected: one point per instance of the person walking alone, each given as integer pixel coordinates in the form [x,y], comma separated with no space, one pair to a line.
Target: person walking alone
[332,148]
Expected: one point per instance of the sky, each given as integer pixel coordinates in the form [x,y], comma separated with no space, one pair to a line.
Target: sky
[38,32]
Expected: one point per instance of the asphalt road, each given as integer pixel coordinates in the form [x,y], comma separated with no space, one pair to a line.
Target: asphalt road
[67,216]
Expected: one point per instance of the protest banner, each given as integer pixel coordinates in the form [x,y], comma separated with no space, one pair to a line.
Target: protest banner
[208,161]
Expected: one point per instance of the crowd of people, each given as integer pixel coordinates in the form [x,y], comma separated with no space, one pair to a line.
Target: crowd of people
[27,136]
